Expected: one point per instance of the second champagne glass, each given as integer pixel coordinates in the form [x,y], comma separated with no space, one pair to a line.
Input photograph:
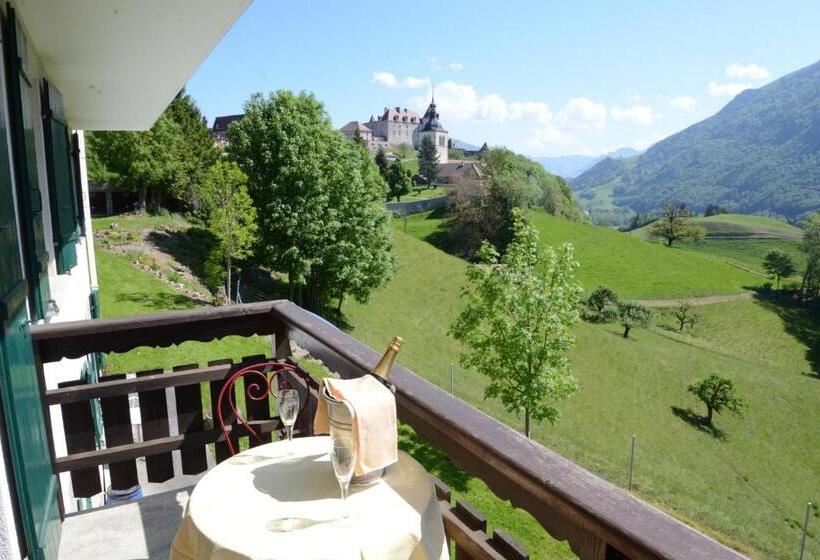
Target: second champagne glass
[288,410]
[343,456]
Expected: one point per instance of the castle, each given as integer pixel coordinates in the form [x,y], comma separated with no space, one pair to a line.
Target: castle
[399,126]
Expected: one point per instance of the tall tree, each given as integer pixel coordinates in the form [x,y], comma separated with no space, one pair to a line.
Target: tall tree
[168,160]
[779,265]
[810,245]
[428,160]
[381,162]
[230,213]
[319,199]
[673,225]
[632,315]
[399,180]
[517,323]
[718,394]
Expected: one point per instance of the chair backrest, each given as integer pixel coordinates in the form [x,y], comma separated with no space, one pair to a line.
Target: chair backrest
[262,380]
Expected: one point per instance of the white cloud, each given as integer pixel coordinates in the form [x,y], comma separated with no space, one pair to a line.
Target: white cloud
[638,114]
[583,113]
[385,79]
[412,82]
[456,66]
[492,108]
[684,103]
[645,143]
[549,136]
[728,89]
[435,63]
[747,71]
[534,110]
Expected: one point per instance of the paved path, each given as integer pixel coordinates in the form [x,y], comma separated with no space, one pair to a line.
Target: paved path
[705,300]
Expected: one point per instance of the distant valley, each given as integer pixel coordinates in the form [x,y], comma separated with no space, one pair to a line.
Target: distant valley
[571,166]
[760,154]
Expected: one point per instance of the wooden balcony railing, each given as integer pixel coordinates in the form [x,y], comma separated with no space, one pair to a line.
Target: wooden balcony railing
[599,520]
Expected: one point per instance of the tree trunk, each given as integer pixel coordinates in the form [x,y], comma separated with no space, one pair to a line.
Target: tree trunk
[669,241]
[708,415]
[341,301]
[143,198]
[527,422]
[626,332]
[228,259]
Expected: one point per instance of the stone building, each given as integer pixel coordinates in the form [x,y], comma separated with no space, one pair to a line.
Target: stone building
[219,132]
[399,126]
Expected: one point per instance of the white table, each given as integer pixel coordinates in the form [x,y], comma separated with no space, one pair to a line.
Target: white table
[238,509]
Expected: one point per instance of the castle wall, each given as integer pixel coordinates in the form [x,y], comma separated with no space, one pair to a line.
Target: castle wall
[396,133]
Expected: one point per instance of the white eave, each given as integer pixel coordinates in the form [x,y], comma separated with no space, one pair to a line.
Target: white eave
[118,63]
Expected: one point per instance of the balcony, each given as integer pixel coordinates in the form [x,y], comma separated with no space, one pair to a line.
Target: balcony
[597,519]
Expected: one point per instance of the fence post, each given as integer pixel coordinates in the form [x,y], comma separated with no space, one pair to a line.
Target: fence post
[405,224]
[452,386]
[805,530]
[631,462]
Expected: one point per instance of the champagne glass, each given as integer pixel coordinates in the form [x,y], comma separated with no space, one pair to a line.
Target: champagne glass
[343,456]
[288,410]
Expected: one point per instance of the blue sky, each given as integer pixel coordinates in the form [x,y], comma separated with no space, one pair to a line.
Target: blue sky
[543,78]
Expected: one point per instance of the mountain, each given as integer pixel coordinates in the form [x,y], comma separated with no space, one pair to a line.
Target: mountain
[760,154]
[459,145]
[573,165]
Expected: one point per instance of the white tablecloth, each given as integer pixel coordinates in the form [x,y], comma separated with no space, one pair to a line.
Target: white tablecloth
[235,508]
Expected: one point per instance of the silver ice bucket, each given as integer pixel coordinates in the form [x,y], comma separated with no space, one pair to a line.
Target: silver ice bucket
[339,416]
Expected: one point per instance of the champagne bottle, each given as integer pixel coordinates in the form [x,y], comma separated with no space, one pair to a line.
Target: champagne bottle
[382,369]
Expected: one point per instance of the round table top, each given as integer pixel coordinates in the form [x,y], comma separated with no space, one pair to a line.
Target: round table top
[241,508]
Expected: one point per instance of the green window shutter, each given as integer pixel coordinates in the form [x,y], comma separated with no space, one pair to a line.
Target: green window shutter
[29,201]
[61,187]
[78,184]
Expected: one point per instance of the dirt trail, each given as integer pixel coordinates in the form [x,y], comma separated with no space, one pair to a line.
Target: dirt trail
[705,300]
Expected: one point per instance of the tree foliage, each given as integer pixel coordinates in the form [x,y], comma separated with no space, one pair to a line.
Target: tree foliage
[483,208]
[428,160]
[602,304]
[633,315]
[516,325]
[718,394]
[779,265]
[381,162]
[399,180]
[673,225]
[685,315]
[229,213]
[810,287]
[169,160]
[319,199]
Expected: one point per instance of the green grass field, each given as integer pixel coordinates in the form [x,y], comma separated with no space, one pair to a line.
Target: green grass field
[748,488]
[633,267]
[746,253]
[738,225]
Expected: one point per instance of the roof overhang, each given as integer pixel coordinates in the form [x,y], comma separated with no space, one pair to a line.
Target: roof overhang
[118,63]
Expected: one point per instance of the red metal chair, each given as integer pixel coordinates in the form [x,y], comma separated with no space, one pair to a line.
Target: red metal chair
[262,379]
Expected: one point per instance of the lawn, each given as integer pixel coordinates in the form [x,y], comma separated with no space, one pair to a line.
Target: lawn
[739,225]
[748,488]
[633,267]
[746,253]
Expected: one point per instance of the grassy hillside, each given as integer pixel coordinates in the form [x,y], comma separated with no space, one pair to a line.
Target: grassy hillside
[635,268]
[747,253]
[739,225]
[748,487]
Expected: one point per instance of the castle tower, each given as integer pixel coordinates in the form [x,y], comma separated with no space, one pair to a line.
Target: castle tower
[430,126]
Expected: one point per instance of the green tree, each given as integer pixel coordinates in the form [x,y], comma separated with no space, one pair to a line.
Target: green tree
[718,394]
[357,138]
[673,225]
[685,315]
[601,302]
[517,323]
[633,315]
[399,180]
[404,150]
[455,153]
[168,160]
[381,162]
[810,245]
[428,160]
[779,265]
[319,199]
[230,213]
